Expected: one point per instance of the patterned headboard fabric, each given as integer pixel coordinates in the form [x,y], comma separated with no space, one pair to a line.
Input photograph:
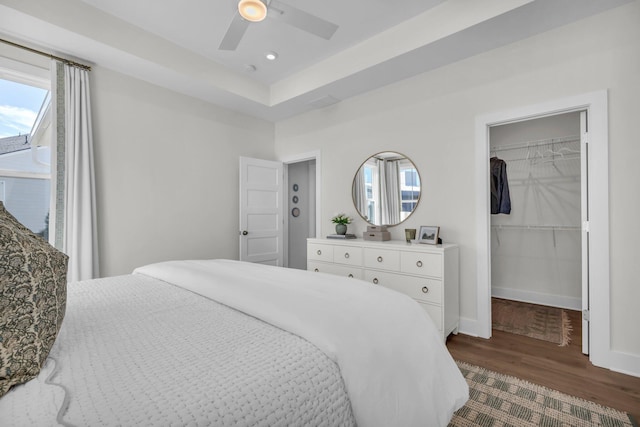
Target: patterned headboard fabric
[33,294]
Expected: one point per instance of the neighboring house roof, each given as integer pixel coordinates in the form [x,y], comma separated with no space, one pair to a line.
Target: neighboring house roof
[29,153]
[29,161]
[16,155]
[14,143]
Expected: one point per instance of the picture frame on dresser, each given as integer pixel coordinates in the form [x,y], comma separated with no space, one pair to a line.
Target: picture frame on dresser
[428,234]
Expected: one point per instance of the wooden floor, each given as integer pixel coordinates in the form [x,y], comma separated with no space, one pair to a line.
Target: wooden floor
[564,369]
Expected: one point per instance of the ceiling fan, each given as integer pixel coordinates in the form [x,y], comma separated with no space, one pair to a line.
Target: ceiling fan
[256,10]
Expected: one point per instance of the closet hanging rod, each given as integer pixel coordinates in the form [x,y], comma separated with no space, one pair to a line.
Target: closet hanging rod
[537,227]
[554,157]
[547,180]
[538,143]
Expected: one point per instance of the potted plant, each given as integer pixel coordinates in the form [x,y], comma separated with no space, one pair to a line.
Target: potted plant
[341,221]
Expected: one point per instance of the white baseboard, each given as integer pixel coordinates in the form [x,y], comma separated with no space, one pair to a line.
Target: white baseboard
[624,363]
[468,327]
[570,303]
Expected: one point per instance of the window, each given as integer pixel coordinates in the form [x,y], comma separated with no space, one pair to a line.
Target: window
[409,188]
[25,150]
[371,186]
[411,177]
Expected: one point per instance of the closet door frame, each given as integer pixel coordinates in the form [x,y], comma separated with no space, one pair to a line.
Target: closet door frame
[595,104]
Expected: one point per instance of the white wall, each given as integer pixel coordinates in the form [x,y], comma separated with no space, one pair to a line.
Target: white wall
[167,173]
[540,266]
[431,118]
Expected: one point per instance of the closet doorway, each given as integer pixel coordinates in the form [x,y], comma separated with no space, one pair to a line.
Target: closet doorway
[302,206]
[300,211]
[537,213]
[595,231]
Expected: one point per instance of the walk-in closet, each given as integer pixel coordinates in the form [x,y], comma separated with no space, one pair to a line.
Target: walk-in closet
[536,243]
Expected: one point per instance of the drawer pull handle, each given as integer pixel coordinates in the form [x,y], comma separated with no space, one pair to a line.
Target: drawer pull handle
[379,259]
[346,254]
[419,263]
[319,252]
[425,290]
[375,280]
[316,270]
[350,275]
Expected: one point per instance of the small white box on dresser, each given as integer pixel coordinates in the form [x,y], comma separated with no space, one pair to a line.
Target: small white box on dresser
[426,273]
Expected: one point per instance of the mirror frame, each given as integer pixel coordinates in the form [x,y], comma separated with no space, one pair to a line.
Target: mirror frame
[353,182]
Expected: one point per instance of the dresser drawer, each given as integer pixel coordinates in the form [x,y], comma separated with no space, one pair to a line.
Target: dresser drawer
[349,255]
[380,278]
[318,252]
[423,264]
[384,259]
[338,270]
[419,288]
[435,312]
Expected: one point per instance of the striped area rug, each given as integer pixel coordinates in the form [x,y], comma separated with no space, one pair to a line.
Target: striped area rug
[498,400]
[535,321]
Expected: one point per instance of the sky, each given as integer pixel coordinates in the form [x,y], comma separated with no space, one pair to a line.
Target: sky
[19,106]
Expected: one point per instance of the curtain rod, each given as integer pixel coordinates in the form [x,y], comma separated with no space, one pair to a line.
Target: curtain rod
[48,55]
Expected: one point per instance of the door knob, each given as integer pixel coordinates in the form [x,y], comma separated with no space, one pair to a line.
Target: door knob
[245,232]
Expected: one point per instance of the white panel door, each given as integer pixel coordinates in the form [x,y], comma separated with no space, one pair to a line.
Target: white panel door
[261,211]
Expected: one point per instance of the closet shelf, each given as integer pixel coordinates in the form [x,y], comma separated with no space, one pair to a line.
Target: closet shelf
[538,143]
[537,227]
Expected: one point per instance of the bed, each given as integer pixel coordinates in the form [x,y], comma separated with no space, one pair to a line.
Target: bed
[221,342]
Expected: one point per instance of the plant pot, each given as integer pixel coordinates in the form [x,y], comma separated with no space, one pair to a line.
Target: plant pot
[341,229]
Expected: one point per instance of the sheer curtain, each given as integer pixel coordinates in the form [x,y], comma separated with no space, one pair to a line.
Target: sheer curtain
[76,226]
[390,203]
[360,192]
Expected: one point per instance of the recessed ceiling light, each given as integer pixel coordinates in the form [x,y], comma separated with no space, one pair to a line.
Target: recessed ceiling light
[271,56]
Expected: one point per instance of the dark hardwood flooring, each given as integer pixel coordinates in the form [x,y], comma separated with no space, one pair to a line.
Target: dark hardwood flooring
[564,369]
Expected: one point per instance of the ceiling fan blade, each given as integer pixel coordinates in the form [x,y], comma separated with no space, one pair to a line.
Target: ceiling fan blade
[234,34]
[301,19]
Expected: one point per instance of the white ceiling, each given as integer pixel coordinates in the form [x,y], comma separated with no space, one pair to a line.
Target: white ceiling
[174,43]
[199,26]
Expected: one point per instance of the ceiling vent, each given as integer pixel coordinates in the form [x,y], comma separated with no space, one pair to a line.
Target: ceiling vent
[324,101]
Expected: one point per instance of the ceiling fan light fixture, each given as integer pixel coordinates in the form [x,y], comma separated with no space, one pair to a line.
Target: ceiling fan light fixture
[252,10]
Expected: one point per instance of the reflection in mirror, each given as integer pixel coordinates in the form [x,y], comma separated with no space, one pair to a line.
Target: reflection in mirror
[386,189]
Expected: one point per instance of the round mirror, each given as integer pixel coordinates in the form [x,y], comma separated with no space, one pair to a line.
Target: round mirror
[386,189]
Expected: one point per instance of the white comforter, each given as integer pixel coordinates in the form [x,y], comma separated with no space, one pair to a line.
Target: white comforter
[136,351]
[395,367]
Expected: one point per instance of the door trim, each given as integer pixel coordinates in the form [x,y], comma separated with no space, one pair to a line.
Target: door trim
[297,158]
[596,105]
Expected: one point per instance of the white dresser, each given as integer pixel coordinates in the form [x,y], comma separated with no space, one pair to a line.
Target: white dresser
[427,273]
